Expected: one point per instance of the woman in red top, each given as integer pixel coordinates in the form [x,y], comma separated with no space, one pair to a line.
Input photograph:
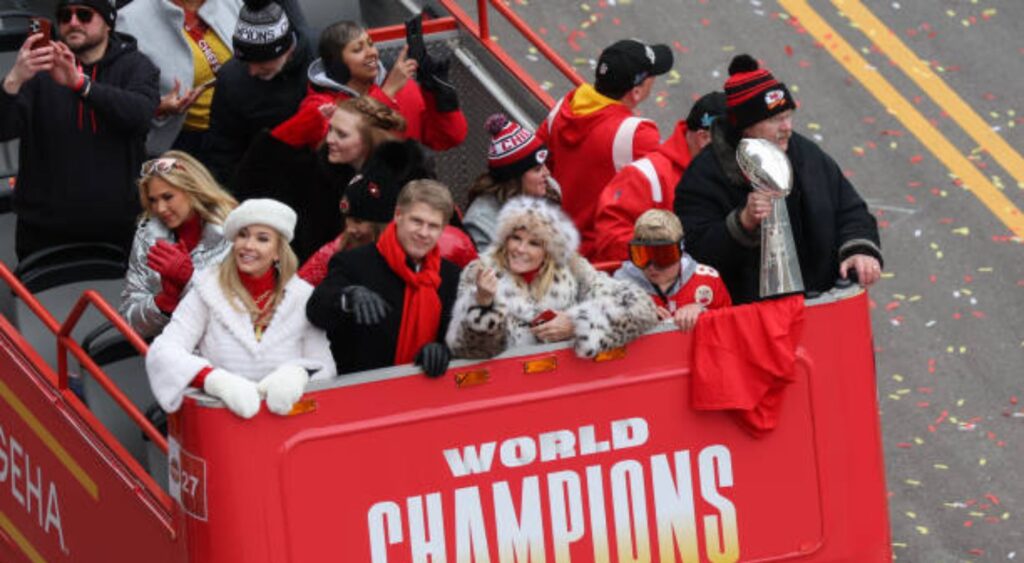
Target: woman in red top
[349,66]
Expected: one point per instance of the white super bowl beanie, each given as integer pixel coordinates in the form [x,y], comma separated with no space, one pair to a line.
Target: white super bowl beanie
[269,212]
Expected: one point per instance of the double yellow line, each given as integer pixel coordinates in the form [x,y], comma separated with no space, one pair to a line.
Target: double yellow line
[907,114]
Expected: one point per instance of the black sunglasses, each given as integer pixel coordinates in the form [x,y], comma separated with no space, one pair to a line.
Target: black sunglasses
[84,15]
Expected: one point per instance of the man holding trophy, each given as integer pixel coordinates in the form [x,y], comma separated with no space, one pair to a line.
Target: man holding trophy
[766,206]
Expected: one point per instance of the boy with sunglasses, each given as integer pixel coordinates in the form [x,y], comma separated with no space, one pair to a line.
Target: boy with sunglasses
[680,287]
[80,107]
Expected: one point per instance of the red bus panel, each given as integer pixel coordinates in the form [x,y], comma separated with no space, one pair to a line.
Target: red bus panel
[578,461]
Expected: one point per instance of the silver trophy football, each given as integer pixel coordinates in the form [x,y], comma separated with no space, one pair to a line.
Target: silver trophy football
[769,171]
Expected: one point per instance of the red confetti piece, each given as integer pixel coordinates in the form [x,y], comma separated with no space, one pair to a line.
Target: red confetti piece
[968,523]
[968,278]
[789,50]
[916,159]
[1013,399]
[910,198]
[978,314]
[705,22]
[942,417]
[904,445]
[931,365]
[992,498]
[923,405]
[933,278]
[892,305]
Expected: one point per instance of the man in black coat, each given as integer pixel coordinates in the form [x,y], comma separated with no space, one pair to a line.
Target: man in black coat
[260,86]
[721,214]
[81,108]
[390,303]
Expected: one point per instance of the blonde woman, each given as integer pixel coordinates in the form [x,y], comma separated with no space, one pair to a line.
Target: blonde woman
[532,286]
[180,232]
[242,333]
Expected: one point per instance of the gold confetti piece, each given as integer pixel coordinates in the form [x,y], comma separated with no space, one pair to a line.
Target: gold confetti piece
[963,231]
[897,397]
[949,349]
[918,441]
[914,298]
[938,255]
[888,275]
[859,151]
[941,466]
[977,514]
[910,514]
[983,462]
[985,269]
[963,349]
[813,126]
[899,296]
[923,530]
[933,246]
[1005,516]
[728,48]
[913,483]
[951,13]
[585,7]
[899,544]
[897,377]
[902,391]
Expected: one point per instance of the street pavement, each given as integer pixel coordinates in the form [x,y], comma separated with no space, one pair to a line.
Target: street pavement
[938,161]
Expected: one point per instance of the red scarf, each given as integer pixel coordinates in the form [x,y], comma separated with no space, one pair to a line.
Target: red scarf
[261,289]
[189,231]
[421,313]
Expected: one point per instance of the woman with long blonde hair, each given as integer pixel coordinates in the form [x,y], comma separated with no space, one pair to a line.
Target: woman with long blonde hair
[532,286]
[242,333]
[180,232]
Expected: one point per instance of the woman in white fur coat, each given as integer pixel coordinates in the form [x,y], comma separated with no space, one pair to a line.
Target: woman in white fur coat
[532,286]
[241,334]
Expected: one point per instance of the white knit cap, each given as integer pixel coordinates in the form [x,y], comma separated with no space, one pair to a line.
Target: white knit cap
[269,212]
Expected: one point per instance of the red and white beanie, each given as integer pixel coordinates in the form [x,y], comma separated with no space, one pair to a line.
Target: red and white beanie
[752,94]
[514,149]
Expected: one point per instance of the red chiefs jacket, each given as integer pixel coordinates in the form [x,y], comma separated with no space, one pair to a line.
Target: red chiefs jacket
[647,183]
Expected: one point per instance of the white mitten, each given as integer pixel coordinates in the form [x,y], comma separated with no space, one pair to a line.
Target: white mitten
[239,394]
[283,387]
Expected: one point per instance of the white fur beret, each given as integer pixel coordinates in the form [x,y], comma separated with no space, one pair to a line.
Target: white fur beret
[269,212]
[540,217]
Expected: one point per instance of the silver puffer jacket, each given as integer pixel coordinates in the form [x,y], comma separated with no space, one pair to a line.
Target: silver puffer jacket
[142,284]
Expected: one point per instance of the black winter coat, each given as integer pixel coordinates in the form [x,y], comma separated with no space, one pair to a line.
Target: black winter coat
[830,221]
[303,180]
[79,157]
[243,106]
[357,347]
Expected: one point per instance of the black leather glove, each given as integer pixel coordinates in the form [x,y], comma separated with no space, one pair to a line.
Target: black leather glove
[368,307]
[434,358]
[433,77]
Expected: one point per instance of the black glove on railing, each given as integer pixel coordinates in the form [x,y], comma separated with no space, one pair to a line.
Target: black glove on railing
[434,358]
[433,77]
[366,305]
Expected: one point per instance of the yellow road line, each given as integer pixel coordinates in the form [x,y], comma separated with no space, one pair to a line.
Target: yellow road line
[908,115]
[49,441]
[936,88]
[26,546]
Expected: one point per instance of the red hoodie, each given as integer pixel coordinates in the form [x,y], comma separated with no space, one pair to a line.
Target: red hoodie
[648,183]
[591,137]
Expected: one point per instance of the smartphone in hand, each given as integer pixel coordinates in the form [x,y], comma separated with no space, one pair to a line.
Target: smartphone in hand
[40,25]
[414,38]
[542,318]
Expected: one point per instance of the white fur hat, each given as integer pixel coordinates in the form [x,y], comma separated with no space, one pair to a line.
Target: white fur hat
[540,217]
[269,212]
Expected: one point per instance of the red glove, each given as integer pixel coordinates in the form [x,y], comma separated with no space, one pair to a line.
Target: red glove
[172,262]
[168,298]
[304,129]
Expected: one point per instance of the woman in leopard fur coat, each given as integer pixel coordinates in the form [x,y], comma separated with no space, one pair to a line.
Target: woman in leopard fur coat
[532,286]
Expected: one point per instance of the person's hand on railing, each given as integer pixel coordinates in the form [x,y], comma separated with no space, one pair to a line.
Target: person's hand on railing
[239,394]
[433,77]
[434,358]
[283,387]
